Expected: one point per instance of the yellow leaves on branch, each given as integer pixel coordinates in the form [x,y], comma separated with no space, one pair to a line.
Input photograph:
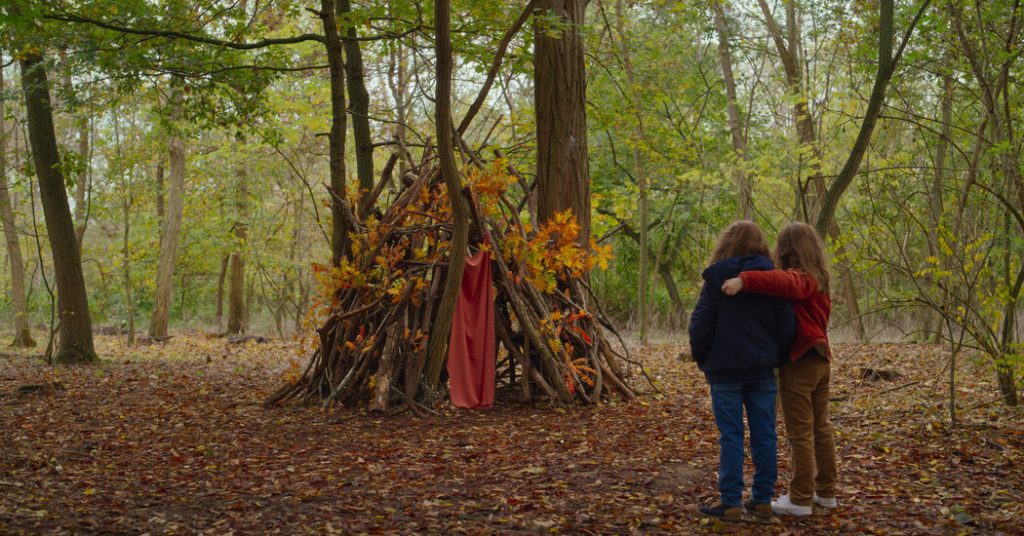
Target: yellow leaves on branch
[554,254]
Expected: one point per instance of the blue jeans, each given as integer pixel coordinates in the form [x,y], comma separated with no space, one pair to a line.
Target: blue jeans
[727,402]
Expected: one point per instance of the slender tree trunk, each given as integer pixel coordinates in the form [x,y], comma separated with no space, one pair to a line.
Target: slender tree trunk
[739,141]
[935,192]
[172,225]
[236,295]
[75,343]
[128,291]
[160,204]
[82,188]
[887,62]
[236,291]
[788,49]
[441,330]
[220,289]
[359,104]
[22,334]
[563,173]
[639,172]
[339,224]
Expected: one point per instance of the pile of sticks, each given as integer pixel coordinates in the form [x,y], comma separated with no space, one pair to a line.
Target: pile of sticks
[376,317]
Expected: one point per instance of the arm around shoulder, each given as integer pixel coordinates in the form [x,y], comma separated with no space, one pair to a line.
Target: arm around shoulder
[785,284]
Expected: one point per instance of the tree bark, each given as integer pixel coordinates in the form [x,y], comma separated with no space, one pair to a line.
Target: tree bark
[160,204]
[441,330]
[563,173]
[359,104]
[82,188]
[339,224]
[236,295]
[75,343]
[220,289]
[739,141]
[171,226]
[236,291]
[22,333]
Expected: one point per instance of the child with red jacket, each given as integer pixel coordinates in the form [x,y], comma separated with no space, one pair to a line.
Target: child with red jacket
[804,381]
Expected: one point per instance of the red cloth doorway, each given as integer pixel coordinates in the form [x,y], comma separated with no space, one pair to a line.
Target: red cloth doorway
[471,348]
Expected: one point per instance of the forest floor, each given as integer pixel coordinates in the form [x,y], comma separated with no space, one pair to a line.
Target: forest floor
[173,439]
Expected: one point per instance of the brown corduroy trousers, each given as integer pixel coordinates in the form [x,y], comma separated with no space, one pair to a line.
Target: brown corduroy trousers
[804,390]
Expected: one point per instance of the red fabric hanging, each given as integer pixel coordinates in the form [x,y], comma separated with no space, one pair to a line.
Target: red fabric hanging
[471,348]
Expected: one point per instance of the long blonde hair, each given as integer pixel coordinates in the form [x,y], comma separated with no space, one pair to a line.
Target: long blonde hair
[798,247]
[738,239]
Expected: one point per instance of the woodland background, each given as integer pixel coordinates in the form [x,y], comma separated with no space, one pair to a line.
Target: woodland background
[198,142]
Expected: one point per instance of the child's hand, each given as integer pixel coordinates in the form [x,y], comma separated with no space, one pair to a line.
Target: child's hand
[731,287]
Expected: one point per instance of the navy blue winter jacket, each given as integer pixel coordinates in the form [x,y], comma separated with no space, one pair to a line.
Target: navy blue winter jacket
[739,338]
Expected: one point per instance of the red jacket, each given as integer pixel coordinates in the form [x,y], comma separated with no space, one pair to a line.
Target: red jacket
[812,307]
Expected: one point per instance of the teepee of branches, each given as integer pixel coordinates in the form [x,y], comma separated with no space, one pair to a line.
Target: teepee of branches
[375,314]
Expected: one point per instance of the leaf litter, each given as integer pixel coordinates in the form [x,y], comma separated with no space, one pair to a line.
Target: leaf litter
[173,439]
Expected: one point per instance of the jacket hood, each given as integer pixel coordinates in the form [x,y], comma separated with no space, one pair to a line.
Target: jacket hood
[717,273]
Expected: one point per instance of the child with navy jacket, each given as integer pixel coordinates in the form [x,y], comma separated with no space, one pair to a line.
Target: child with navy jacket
[738,342]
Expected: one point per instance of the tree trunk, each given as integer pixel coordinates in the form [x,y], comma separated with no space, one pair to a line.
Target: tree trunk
[236,292]
[640,173]
[739,141]
[359,104]
[934,331]
[339,224]
[129,296]
[886,67]
[662,264]
[563,173]
[171,225]
[236,295]
[82,188]
[788,49]
[160,205]
[220,289]
[75,342]
[441,330]
[22,334]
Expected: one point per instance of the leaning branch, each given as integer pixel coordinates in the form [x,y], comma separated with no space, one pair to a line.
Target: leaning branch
[171,34]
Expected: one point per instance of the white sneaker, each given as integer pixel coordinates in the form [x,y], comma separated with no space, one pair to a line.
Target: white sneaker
[825,502]
[784,507]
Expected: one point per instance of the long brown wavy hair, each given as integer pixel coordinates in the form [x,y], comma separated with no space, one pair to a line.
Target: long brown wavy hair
[738,239]
[798,247]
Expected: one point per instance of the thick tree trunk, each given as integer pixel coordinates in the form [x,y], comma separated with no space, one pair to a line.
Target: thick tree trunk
[171,226]
[22,334]
[440,331]
[75,343]
[739,141]
[563,173]
[359,105]
[339,223]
